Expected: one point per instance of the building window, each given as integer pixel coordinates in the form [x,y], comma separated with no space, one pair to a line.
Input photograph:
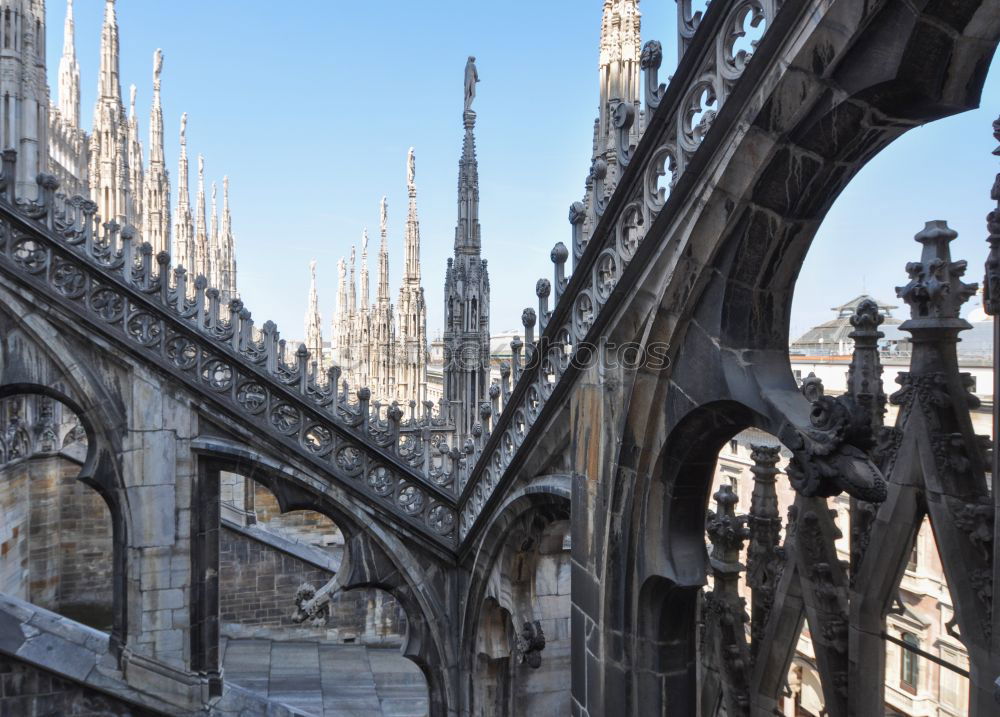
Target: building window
[909,671]
[911,564]
[733,445]
[953,688]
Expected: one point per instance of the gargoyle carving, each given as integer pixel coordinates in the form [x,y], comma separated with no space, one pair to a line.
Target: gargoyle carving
[831,456]
[530,643]
[317,612]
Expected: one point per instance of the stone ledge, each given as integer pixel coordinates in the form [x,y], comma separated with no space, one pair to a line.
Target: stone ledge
[70,650]
[305,552]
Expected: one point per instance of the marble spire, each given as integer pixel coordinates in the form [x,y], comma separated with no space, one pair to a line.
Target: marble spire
[314,323]
[467,239]
[365,295]
[109,149]
[69,73]
[411,240]
[214,247]
[340,321]
[227,248]
[156,197]
[382,295]
[352,294]
[411,308]
[383,329]
[619,65]
[184,252]
[467,289]
[202,250]
[136,182]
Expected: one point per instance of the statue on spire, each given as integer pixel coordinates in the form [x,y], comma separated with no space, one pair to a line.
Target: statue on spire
[184,124]
[471,78]
[157,68]
[410,168]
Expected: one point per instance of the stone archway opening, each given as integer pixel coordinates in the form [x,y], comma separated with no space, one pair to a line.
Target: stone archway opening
[56,536]
[346,657]
[522,642]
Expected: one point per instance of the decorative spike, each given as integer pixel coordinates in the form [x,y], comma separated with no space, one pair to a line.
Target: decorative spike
[577,215]
[559,255]
[598,173]
[180,294]
[235,306]
[528,321]
[650,61]
[623,118]
[213,309]
[271,346]
[200,284]
[128,257]
[146,265]
[542,290]
[302,365]
[505,376]
[163,276]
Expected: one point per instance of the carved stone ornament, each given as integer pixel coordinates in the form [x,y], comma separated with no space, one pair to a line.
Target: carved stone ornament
[530,643]
[831,456]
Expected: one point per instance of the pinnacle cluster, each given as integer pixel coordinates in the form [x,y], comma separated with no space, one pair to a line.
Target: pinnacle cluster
[378,344]
[106,164]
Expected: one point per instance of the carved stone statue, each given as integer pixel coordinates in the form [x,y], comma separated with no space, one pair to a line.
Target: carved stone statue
[471,78]
[410,167]
[184,124]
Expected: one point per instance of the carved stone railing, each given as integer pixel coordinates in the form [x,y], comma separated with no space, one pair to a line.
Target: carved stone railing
[678,117]
[57,247]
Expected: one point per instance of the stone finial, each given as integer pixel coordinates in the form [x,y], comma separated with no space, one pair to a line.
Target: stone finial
[542,289]
[866,320]
[935,290]
[725,529]
[765,457]
[528,318]
[652,55]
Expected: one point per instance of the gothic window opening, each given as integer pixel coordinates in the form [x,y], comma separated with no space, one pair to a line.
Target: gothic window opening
[56,540]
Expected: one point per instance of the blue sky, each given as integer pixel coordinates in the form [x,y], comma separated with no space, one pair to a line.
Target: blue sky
[310,112]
